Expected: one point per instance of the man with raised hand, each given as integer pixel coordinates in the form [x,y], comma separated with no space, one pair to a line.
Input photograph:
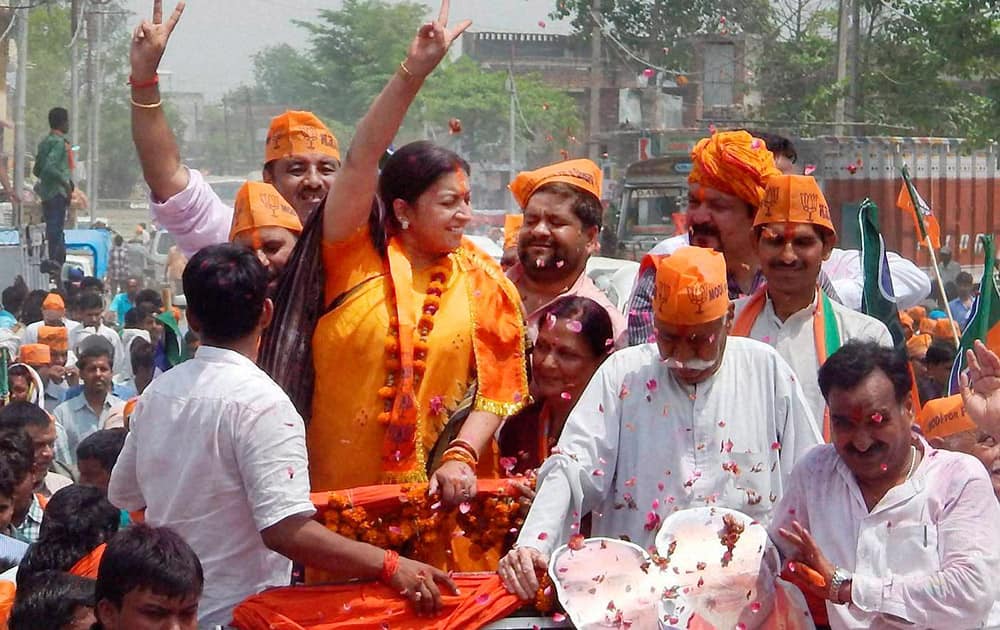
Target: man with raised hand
[300,160]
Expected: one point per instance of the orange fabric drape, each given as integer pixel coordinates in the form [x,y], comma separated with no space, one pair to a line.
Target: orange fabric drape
[371,605]
[7,592]
[87,566]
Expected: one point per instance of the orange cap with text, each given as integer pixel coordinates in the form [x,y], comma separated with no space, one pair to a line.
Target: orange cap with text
[55,337]
[35,354]
[294,133]
[511,226]
[582,174]
[942,417]
[260,205]
[735,163]
[691,287]
[53,302]
[793,199]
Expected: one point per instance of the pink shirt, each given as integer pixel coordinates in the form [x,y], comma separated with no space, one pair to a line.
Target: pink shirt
[196,216]
[583,287]
[925,557]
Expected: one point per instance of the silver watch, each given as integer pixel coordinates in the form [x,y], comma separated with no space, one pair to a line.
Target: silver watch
[836,581]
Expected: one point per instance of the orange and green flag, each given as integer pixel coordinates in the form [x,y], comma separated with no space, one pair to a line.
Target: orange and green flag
[924,222]
[984,320]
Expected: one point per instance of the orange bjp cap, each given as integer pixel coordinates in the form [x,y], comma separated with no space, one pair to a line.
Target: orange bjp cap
[55,337]
[260,205]
[511,226]
[53,302]
[943,329]
[691,287]
[942,417]
[735,163]
[297,132]
[793,199]
[917,345]
[35,354]
[582,174]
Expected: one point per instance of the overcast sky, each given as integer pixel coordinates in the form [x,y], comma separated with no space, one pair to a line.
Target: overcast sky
[211,49]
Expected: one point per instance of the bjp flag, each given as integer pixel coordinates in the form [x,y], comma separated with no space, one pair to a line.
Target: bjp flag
[924,222]
[984,320]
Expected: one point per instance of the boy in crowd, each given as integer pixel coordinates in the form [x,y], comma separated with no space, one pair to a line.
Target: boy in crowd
[96,457]
[149,578]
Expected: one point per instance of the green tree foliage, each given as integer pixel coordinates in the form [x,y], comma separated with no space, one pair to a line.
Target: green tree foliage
[353,52]
[546,120]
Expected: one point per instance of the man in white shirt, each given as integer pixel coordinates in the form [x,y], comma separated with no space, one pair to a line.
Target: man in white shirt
[697,418]
[90,305]
[901,534]
[216,451]
[792,235]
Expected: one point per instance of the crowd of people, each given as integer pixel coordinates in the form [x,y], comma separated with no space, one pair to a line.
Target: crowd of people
[161,467]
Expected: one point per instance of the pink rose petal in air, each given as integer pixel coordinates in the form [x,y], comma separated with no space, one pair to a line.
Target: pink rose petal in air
[574,326]
[809,169]
[464,507]
[566,396]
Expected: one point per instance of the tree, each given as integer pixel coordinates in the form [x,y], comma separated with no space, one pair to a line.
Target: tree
[547,121]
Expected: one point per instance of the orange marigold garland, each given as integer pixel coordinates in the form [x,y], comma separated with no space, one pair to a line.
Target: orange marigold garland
[420,522]
[425,324]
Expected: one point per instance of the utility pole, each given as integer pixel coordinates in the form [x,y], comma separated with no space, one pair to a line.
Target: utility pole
[20,106]
[594,148]
[74,72]
[95,168]
[853,65]
[512,131]
[843,43]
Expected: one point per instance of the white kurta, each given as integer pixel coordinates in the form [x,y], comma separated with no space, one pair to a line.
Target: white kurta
[639,445]
[795,342]
[925,557]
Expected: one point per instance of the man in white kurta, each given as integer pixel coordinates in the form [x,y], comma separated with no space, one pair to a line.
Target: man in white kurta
[793,235]
[695,419]
[904,535]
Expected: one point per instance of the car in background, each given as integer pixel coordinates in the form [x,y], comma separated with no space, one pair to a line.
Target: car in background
[226,186]
[615,277]
[154,268]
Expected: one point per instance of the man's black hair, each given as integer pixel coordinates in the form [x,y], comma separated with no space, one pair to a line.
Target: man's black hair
[13,297]
[150,296]
[225,286]
[93,347]
[19,415]
[58,118]
[855,360]
[142,354]
[90,283]
[119,241]
[777,144]
[88,300]
[135,316]
[18,451]
[8,481]
[940,351]
[104,446]
[154,558]
[49,600]
[964,277]
[77,519]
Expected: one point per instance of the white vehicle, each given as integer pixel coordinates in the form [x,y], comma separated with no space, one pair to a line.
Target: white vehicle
[615,277]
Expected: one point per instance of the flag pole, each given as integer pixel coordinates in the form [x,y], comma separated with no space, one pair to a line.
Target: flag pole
[940,283]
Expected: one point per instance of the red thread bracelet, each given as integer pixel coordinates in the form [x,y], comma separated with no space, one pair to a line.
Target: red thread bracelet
[390,565]
[144,84]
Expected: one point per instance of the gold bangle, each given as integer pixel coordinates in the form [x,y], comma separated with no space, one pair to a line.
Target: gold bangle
[135,103]
[458,455]
[406,71]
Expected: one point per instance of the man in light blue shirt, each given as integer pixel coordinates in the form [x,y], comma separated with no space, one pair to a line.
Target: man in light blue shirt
[962,305]
[125,301]
[92,409]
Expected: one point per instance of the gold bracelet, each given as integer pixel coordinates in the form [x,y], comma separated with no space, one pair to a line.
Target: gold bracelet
[135,103]
[458,455]
[406,71]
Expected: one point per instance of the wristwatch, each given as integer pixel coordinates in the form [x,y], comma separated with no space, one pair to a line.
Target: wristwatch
[836,581]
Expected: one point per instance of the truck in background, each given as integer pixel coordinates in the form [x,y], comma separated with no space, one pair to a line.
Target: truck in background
[957,180]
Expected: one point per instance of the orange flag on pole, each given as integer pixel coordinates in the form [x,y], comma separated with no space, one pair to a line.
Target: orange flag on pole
[924,222]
